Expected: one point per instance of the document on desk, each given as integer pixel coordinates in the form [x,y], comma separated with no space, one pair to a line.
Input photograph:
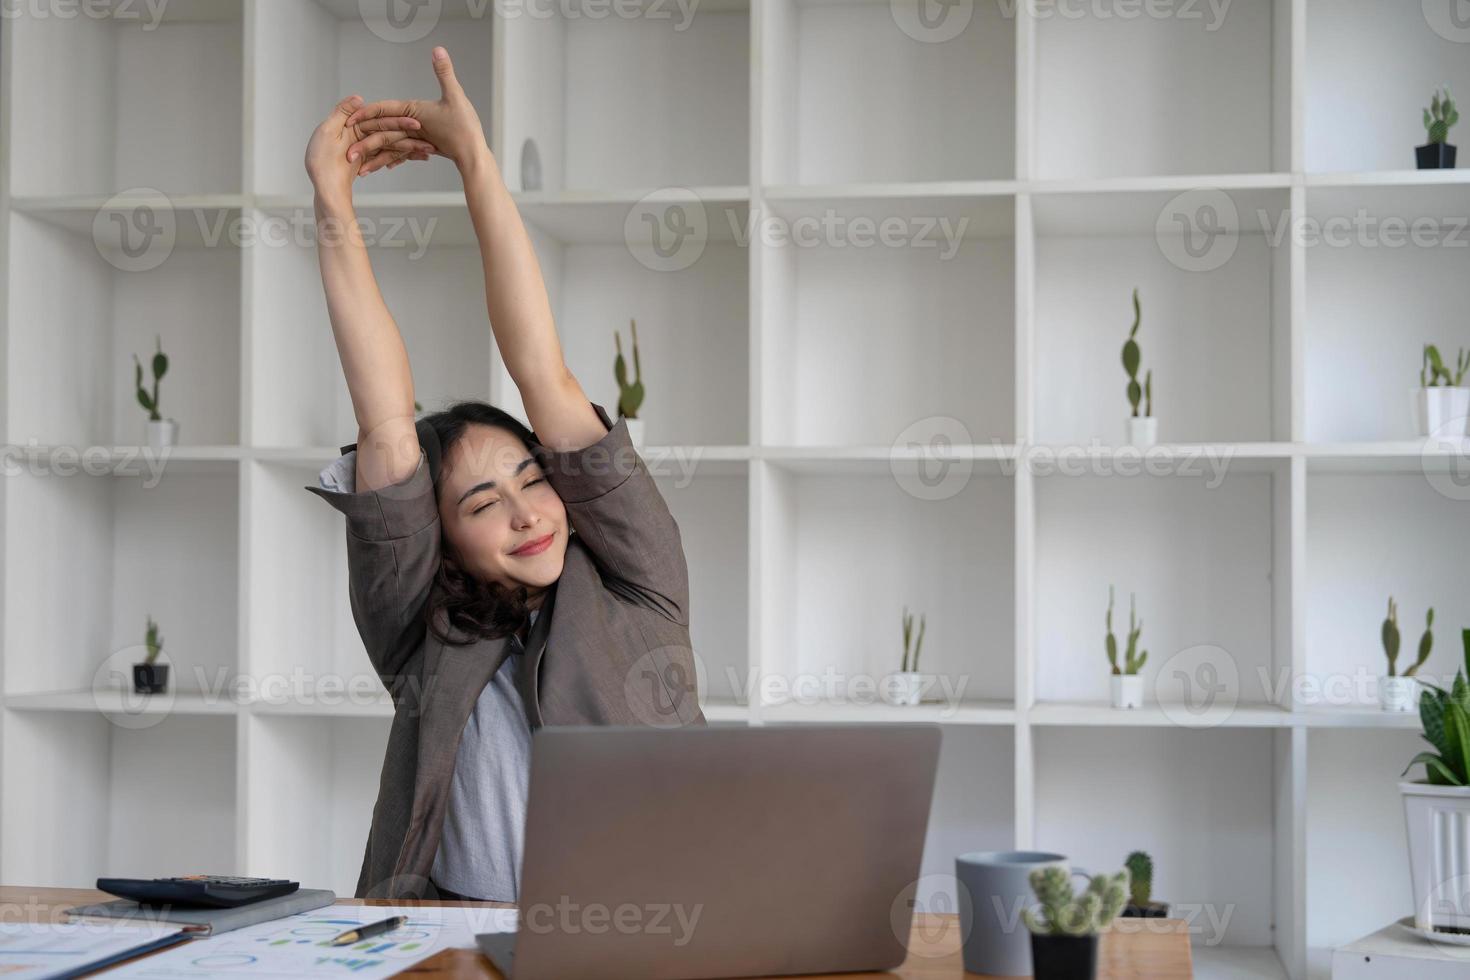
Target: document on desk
[296,946]
[35,950]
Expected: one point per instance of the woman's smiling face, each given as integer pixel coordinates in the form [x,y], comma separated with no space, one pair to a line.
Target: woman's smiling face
[500,516]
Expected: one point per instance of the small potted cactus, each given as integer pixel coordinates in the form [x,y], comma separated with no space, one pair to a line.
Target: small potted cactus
[1438,153]
[630,396]
[162,432]
[1140,889]
[1127,684]
[906,685]
[1143,430]
[1441,401]
[151,677]
[1064,935]
[1395,690]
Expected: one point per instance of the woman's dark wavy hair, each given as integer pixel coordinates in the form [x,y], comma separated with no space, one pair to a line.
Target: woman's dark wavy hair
[483,610]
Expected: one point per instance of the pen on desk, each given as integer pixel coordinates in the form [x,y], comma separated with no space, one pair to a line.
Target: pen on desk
[363,932]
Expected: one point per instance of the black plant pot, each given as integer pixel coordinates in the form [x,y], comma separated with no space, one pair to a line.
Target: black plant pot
[150,678]
[1064,957]
[1153,910]
[1435,156]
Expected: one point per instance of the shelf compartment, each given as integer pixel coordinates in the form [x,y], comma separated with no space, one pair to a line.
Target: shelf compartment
[1356,120]
[843,553]
[1384,276]
[1092,714]
[1185,90]
[1198,552]
[313,783]
[85,597]
[858,92]
[100,305]
[1215,313]
[82,793]
[153,102]
[1370,536]
[654,96]
[1217,787]
[925,310]
[310,55]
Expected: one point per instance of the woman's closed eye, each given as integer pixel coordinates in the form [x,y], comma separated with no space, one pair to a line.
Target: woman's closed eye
[491,503]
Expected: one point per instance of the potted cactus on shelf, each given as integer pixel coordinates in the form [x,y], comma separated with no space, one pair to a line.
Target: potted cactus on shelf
[150,676]
[1064,934]
[1126,682]
[1442,402]
[162,432]
[1140,889]
[906,685]
[630,396]
[1395,690]
[1143,430]
[1438,153]
[1441,800]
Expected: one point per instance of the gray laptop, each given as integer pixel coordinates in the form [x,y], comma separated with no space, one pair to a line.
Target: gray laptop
[719,852]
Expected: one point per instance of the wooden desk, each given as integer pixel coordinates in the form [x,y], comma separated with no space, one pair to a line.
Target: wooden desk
[1156,949]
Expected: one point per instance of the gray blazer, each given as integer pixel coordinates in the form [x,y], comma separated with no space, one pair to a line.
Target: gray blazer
[617,652]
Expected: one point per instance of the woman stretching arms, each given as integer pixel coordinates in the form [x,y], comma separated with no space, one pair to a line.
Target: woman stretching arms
[501,578]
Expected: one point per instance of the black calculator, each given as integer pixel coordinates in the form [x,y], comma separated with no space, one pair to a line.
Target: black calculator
[207,891]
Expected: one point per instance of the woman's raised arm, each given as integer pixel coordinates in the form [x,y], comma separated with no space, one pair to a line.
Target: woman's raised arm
[373,357]
[515,294]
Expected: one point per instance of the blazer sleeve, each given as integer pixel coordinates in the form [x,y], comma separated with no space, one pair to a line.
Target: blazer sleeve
[392,558]
[616,510]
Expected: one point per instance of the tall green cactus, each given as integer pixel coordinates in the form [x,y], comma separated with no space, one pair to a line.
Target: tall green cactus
[1133,660]
[160,368]
[1426,643]
[908,629]
[152,641]
[630,396]
[1440,116]
[1434,372]
[1141,875]
[1132,359]
[1390,631]
[1064,913]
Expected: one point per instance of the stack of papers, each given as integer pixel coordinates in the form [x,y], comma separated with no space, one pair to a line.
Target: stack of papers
[52,950]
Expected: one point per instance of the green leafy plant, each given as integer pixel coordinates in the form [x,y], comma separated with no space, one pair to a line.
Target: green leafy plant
[152,641]
[1445,716]
[908,634]
[1064,913]
[630,396]
[1434,372]
[1131,361]
[1440,116]
[1391,640]
[1133,660]
[1141,878]
[160,368]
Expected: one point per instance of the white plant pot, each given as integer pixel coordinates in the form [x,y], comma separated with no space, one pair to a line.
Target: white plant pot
[1396,693]
[162,434]
[1442,411]
[1127,691]
[1438,821]
[1143,432]
[635,431]
[903,687]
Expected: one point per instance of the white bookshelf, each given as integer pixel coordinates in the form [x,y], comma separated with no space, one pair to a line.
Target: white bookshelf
[805,384]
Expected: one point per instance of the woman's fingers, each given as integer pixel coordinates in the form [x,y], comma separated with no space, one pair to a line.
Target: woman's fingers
[387,123]
[342,110]
[379,110]
[408,149]
[377,141]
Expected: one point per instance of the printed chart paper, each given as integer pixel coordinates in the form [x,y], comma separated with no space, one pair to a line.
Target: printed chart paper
[33,950]
[296,946]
